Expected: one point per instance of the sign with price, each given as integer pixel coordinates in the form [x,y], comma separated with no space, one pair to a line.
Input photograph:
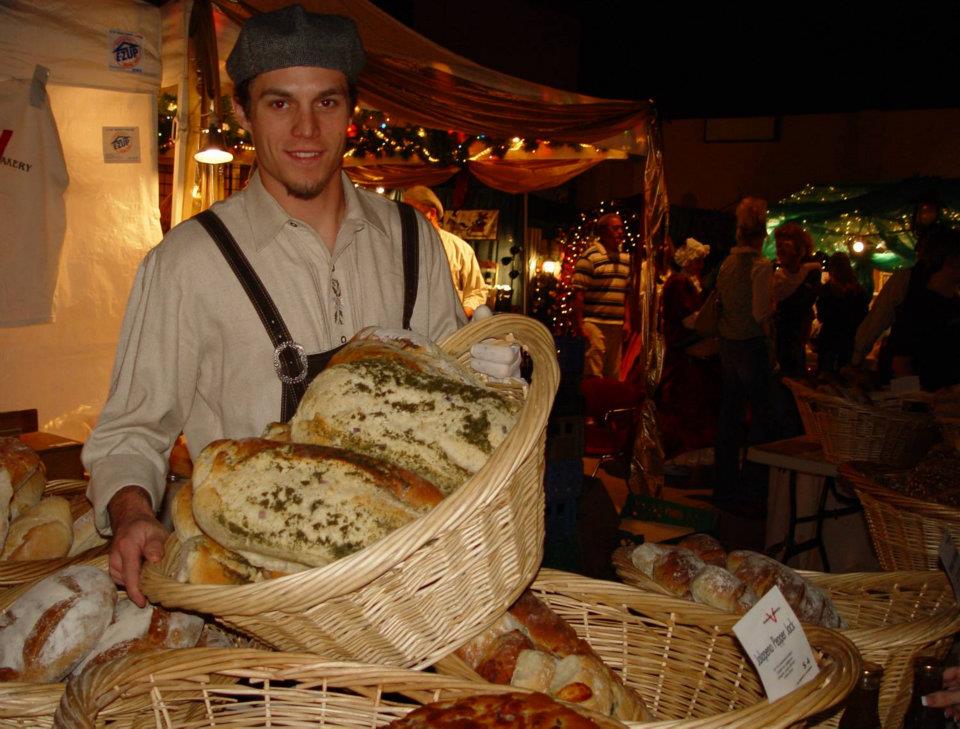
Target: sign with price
[773,637]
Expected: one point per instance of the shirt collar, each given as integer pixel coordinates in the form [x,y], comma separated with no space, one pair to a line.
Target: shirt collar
[267,217]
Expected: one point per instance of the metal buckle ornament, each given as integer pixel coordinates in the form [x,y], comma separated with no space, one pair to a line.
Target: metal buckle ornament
[278,365]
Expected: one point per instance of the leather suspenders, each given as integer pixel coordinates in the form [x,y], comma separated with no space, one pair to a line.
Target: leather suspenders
[294,367]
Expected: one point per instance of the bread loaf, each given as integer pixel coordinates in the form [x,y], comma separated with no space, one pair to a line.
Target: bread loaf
[516,710]
[719,588]
[44,531]
[286,504]
[706,548]
[646,554]
[181,514]
[137,629]
[49,629]
[85,534]
[585,680]
[675,569]
[26,472]
[204,562]
[408,403]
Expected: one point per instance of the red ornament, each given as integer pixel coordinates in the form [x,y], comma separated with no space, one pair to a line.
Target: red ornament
[352,130]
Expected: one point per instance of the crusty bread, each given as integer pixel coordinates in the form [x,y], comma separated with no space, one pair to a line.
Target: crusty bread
[46,631]
[719,588]
[137,629]
[279,504]
[706,548]
[85,534]
[181,513]
[645,554]
[550,634]
[204,562]
[44,531]
[675,569]
[409,404]
[517,710]
[26,471]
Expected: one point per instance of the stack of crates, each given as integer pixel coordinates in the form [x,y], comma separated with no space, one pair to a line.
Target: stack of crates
[563,477]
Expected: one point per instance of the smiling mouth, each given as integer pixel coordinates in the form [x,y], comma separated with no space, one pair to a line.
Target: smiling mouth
[305,155]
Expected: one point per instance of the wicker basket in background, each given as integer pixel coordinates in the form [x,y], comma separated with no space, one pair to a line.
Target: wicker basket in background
[906,532]
[691,672]
[891,617]
[852,431]
[413,597]
[22,571]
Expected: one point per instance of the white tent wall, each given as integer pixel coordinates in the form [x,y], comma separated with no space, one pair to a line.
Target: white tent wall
[63,368]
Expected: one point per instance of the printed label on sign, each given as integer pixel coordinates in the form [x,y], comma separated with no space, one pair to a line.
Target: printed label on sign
[126,52]
[772,636]
[951,562]
[121,144]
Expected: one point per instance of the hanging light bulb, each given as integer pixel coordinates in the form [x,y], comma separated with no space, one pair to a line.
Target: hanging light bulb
[213,150]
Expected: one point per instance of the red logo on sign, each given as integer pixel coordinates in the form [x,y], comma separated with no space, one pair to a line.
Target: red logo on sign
[4,139]
[771,616]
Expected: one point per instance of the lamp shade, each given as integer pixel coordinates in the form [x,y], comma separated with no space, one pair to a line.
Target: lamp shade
[213,149]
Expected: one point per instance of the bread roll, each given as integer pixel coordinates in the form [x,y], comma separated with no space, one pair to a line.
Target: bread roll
[501,661]
[408,403]
[675,569]
[719,588]
[477,649]
[213,636]
[44,531]
[583,680]
[644,556]
[181,513]
[48,630]
[516,710]
[281,504]
[546,629]
[137,629]
[534,671]
[26,471]
[204,562]
[706,548]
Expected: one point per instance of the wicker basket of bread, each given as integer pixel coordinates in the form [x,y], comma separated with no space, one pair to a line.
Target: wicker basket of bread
[73,619]
[909,511]
[890,616]
[44,525]
[856,424]
[671,671]
[398,513]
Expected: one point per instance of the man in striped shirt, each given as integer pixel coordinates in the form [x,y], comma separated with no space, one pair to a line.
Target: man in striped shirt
[600,282]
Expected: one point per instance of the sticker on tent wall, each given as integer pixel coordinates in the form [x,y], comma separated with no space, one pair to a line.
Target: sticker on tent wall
[121,144]
[126,52]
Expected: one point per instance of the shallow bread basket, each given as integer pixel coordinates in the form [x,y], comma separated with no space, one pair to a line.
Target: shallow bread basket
[891,617]
[428,587]
[690,671]
[30,704]
[23,571]
[906,531]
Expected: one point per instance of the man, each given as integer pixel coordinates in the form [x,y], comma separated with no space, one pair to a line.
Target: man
[467,279]
[600,282]
[193,352]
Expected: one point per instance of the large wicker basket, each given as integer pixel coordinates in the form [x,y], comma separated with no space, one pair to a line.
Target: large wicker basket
[428,587]
[30,704]
[906,532]
[20,572]
[851,431]
[692,673]
[891,617]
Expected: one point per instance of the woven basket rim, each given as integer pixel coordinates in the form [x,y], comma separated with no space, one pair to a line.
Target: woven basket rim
[925,629]
[862,481]
[298,591]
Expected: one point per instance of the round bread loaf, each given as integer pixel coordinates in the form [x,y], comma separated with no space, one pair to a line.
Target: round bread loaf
[44,531]
[26,471]
[49,629]
[706,548]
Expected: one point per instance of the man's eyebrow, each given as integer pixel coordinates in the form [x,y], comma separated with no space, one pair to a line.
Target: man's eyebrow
[284,93]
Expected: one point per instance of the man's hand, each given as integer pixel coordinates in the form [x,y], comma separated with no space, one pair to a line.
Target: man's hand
[137,536]
[949,698]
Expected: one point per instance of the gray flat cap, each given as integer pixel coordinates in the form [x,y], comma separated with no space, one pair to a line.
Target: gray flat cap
[293,37]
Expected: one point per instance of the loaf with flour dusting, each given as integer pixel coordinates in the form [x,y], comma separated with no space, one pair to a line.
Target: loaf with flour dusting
[398,397]
[26,471]
[43,531]
[283,506]
[50,628]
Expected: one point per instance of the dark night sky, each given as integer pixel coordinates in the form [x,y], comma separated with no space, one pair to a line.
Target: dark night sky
[713,61]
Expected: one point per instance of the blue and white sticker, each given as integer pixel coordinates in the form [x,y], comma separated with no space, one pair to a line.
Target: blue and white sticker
[121,144]
[126,52]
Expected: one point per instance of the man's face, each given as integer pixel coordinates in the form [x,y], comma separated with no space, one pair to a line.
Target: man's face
[428,211]
[298,118]
[611,232]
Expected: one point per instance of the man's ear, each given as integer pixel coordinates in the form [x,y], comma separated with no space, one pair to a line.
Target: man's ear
[240,115]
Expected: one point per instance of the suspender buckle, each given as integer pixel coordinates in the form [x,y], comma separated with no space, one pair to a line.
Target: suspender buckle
[301,354]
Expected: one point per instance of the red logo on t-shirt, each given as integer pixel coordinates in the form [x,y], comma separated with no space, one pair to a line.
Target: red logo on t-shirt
[4,139]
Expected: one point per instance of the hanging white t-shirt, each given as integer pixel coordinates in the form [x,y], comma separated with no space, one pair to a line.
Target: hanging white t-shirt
[33,177]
